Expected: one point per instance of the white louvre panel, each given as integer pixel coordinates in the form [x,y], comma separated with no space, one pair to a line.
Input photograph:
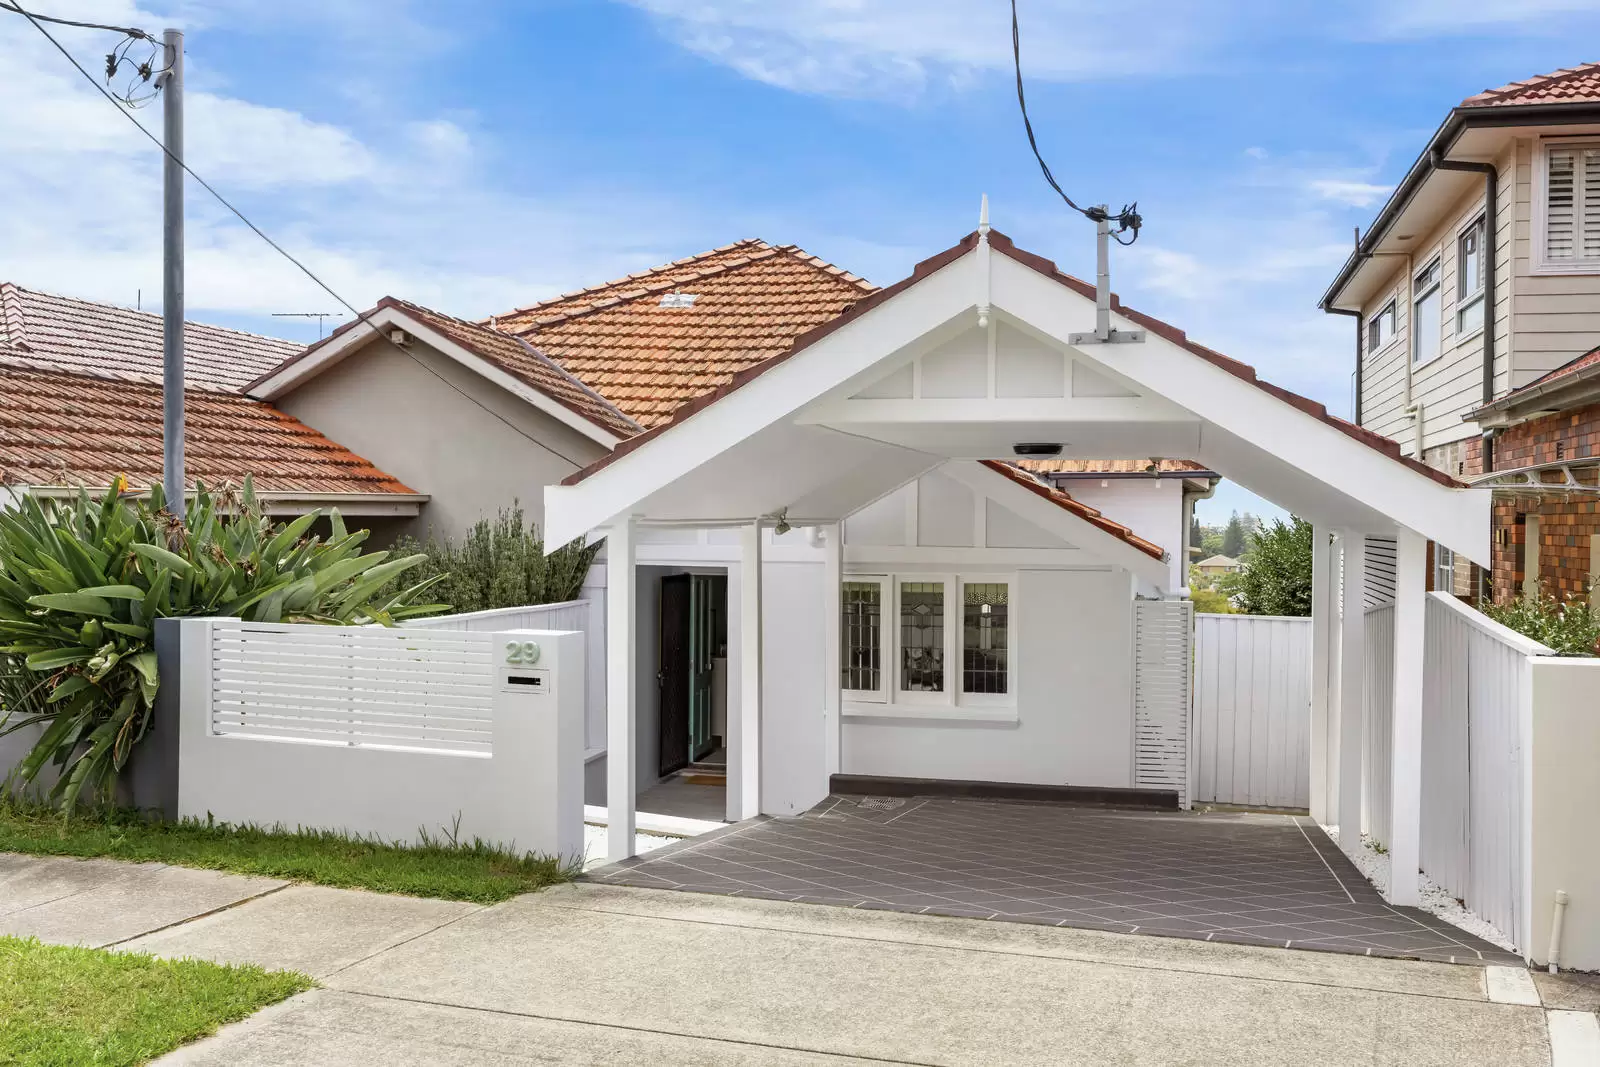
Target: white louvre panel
[1572,205]
[1380,571]
[1163,638]
[429,690]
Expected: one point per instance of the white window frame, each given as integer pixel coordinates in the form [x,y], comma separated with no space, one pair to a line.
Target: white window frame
[1444,569]
[879,695]
[1542,263]
[946,696]
[1392,309]
[990,700]
[893,702]
[1465,301]
[1433,262]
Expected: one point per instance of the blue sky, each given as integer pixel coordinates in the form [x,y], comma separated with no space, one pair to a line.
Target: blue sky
[476,156]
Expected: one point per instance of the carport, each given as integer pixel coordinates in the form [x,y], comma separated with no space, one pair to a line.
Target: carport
[1251,879]
[977,352]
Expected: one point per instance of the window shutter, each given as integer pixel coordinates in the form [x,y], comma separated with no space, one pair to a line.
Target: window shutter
[1591,203]
[1560,207]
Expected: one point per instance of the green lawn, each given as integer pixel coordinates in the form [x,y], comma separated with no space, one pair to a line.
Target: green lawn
[453,871]
[61,1006]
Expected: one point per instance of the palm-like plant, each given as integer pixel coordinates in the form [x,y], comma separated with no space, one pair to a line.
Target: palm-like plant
[82,583]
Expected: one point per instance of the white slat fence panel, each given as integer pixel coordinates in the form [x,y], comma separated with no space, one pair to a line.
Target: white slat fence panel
[361,686]
[1473,764]
[1252,710]
[1378,630]
[1163,641]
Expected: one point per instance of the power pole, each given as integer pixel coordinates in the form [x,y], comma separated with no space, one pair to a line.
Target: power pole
[172,274]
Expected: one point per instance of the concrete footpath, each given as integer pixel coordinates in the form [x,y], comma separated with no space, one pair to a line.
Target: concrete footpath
[593,974]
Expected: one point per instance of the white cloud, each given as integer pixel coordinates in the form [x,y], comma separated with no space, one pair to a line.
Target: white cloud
[894,48]
[1345,191]
[1409,18]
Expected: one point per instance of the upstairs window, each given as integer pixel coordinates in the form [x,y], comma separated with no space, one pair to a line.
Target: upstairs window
[1427,332]
[1380,328]
[1469,277]
[1571,215]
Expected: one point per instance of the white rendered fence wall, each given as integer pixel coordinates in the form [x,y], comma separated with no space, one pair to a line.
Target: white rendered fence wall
[1475,715]
[1378,735]
[1252,710]
[394,732]
[1163,635]
[587,616]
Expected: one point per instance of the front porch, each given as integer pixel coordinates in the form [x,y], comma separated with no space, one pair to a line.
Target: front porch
[1236,878]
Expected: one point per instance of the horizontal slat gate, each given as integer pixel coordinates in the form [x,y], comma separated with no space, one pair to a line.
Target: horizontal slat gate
[408,688]
[1163,641]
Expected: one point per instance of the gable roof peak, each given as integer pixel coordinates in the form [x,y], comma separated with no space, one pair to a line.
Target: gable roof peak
[1570,85]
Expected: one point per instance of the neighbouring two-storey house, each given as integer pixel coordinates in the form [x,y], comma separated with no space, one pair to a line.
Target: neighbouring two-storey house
[1475,297]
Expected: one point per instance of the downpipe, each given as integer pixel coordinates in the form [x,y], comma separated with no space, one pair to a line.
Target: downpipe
[1557,923]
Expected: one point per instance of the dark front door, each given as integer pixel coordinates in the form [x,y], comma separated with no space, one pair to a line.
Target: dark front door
[674,676]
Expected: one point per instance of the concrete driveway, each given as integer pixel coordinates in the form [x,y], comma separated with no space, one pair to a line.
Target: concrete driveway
[595,974]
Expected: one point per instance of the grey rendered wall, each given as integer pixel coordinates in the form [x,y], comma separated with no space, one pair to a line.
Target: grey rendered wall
[386,408]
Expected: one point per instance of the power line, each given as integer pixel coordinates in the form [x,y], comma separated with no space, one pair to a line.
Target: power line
[1126,219]
[361,315]
[129,31]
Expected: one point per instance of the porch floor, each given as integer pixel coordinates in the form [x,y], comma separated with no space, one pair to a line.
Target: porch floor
[1240,878]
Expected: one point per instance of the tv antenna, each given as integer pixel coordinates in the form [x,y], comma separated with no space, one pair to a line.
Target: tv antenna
[320,316]
[1128,221]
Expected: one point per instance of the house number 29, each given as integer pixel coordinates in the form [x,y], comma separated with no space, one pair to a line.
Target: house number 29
[522,653]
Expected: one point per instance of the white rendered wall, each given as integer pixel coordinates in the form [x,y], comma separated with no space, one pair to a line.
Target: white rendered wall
[1074,700]
[1151,507]
[793,754]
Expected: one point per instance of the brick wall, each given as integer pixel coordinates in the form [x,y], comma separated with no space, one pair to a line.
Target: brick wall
[1566,520]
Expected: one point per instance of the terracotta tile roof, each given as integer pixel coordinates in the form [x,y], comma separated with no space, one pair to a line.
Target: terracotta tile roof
[117,342]
[751,300]
[71,429]
[1062,499]
[1091,467]
[1573,85]
[1002,244]
[1585,367]
[521,359]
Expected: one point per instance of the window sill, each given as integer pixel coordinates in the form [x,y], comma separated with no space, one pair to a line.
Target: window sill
[1465,336]
[940,712]
[1567,268]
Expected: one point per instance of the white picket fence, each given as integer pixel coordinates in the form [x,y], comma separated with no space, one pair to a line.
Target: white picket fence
[587,616]
[1476,713]
[1252,710]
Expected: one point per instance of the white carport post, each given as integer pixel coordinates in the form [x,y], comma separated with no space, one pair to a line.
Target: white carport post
[1352,686]
[832,577]
[1405,774]
[744,729]
[1324,617]
[621,726]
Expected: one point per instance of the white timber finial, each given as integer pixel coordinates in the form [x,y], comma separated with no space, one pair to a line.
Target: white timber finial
[983,263]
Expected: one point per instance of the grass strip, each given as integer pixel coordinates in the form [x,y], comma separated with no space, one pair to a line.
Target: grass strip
[441,866]
[62,1006]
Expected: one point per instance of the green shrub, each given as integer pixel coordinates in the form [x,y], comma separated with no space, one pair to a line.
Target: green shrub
[81,584]
[1276,579]
[501,564]
[1568,626]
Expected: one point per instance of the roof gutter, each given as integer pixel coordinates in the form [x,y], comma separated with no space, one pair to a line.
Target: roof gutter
[1455,124]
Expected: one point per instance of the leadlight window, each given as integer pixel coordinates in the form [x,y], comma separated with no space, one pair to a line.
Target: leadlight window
[861,637]
[922,637]
[985,638]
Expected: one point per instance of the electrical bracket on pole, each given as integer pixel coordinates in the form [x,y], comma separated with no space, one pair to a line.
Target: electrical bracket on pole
[1104,333]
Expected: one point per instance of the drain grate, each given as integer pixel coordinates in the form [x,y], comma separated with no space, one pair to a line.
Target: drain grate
[880,803]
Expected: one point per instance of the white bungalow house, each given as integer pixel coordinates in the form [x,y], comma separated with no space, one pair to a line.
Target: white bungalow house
[903,604]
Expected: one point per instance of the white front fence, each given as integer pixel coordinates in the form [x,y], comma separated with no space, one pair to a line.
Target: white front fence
[394,732]
[1252,710]
[1476,713]
[1163,663]
[587,616]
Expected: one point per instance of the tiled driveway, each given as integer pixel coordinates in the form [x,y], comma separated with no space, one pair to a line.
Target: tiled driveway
[1251,879]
